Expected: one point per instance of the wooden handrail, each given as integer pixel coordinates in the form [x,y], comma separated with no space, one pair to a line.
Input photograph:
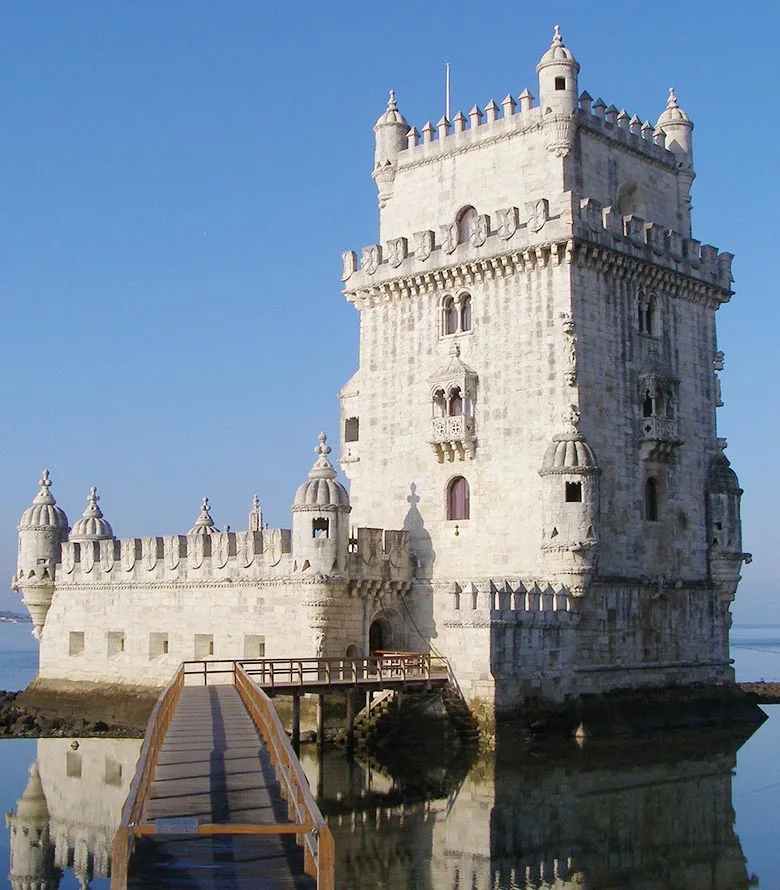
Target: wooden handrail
[319,849]
[138,794]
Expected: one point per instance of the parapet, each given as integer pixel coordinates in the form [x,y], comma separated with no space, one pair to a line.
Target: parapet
[380,554]
[543,232]
[254,554]
[514,601]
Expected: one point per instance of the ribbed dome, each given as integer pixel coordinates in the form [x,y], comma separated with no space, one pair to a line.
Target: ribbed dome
[204,524]
[321,489]
[569,453]
[44,512]
[722,478]
[557,52]
[391,115]
[92,526]
[672,114]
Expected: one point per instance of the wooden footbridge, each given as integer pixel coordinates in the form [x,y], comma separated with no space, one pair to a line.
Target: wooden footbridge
[219,799]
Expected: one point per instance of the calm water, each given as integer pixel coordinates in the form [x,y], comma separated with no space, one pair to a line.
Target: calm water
[696,811]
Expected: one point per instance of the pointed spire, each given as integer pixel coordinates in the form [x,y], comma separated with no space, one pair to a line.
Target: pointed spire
[323,468]
[44,496]
[255,516]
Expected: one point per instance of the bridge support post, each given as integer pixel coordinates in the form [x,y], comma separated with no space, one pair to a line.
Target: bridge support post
[296,722]
[350,720]
[321,719]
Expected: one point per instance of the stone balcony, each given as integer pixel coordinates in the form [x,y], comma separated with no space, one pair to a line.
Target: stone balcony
[658,437]
[453,437]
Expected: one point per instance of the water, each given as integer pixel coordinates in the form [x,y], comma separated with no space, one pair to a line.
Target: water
[682,810]
[18,655]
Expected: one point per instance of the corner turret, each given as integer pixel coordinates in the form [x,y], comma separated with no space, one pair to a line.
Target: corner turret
[677,128]
[320,531]
[558,70]
[42,530]
[724,525]
[32,850]
[570,506]
[390,132]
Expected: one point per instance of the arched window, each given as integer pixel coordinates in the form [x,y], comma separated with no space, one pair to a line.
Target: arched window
[465,312]
[439,403]
[458,499]
[455,407]
[449,316]
[648,409]
[651,500]
[466,220]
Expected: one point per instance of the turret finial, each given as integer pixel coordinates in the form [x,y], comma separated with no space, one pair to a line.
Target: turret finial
[94,497]
[323,448]
[557,39]
[44,481]
[671,102]
[204,524]
[255,503]
[392,105]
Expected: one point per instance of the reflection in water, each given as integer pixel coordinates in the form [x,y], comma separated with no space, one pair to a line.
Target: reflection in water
[68,814]
[641,815]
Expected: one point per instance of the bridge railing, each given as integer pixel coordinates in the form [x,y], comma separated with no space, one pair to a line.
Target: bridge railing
[302,809]
[134,809]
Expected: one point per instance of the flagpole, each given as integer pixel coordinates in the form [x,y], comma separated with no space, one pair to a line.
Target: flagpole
[447,92]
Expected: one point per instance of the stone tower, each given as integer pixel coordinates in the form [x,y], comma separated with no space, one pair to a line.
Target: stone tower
[42,529]
[536,379]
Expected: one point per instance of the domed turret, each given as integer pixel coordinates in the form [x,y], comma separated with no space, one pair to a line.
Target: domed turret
[558,70]
[204,524]
[32,852]
[724,525]
[678,128]
[320,510]
[570,505]
[42,529]
[92,526]
[390,137]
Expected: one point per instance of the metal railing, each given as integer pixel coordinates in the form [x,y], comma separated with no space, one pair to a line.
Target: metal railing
[302,809]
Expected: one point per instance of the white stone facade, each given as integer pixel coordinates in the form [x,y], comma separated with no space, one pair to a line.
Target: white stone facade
[534,411]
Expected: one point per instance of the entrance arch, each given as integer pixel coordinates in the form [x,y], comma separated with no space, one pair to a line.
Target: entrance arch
[379,636]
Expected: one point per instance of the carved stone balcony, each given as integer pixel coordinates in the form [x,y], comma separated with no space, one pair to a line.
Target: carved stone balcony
[658,437]
[453,437]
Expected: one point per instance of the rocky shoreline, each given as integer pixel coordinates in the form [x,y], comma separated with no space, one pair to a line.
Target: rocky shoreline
[19,722]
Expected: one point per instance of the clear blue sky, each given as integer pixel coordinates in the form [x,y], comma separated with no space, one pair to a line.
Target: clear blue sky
[178,182]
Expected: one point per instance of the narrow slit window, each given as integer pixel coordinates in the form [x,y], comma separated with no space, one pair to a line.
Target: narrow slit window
[651,501]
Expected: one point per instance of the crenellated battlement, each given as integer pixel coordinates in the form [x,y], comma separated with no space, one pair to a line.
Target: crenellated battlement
[515,239]
[376,553]
[626,129]
[248,554]
[524,602]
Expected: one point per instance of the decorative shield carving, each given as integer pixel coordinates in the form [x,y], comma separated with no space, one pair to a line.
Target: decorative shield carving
[107,555]
[245,547]
[149,553]
[349,264]
[87,556]
[507,223]
[128,554]
[480,226]
[172,551]
[396,251]
[198,550]
[423,245]
[223,549]
[69,557]
[539,215]
[371,258]
[449,236]
[274,548]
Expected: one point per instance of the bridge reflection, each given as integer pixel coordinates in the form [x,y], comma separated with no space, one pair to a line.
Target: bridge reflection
[649,815]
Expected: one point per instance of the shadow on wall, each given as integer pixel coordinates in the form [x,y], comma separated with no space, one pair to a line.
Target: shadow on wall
[419,611]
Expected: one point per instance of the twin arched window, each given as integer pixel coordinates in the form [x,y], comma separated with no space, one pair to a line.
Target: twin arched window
[458,498]
[456,314]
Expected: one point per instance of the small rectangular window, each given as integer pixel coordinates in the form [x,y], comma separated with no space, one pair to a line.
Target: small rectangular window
[560,83]
[158,645]
[113,772]
[352,429]
[204,645]
[76,642]
[254,646]
[573,492]
[319,528]
[115,643]
[73,764]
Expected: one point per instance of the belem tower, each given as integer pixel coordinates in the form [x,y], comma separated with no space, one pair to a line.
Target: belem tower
[537,490]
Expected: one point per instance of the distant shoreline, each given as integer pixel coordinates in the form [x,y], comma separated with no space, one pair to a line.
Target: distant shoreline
[15,618]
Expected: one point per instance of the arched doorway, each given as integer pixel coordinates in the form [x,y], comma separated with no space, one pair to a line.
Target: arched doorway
[379,636]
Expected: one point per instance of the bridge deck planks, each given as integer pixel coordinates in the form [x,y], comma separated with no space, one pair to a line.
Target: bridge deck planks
[213,766]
